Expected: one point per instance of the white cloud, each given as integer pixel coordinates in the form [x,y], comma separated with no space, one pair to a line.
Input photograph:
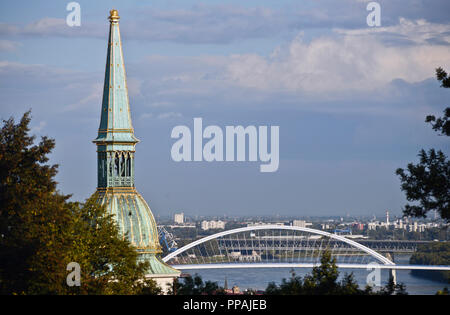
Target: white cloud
[8,45]
[45,26]
[134,87]
[38,128]
[93,98]
[343,62]
[169,115]
[146,116]
[161,104]
[50,26]
[34,70]
[318,74]
[414,31]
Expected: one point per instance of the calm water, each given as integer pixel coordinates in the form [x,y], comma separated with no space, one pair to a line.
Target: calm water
[258,278]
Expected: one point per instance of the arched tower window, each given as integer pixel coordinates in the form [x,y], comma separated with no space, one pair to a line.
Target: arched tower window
[128,164]
[110,164]
[116,165]
[122,164]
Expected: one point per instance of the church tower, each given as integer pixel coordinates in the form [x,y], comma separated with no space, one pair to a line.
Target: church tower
[115,163]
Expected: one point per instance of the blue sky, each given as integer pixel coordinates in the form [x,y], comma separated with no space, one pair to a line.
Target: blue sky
[350,100]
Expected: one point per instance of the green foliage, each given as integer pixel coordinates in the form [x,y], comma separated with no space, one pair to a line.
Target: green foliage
[441,124]
[427,183]
[432,254]
[293,286]
[108,262]
[27,196]
[393,289]
[429,234]
[444,291]
[195,286]
[41,232]
[147,287]
[324,281]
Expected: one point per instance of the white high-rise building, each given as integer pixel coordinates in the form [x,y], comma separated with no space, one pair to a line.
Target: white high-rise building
[300,223]
[179,218]
[206,225]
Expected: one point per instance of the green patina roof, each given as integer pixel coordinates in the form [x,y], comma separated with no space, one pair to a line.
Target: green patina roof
[157,266]
[134,218]
[115,123]
[136,222]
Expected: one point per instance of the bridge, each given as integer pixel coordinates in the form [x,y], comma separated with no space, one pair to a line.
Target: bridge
[275,246]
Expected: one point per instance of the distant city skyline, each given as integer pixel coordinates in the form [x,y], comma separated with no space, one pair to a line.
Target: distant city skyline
[187,218]
[350,100]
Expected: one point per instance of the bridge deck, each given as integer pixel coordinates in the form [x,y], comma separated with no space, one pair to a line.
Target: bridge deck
[308,265]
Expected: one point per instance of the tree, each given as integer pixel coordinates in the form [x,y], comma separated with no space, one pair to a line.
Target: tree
[441,124]
[444,291]
[393,289]
[108,261]
[195,286]
[324,281]
[26,185]
[41,232]
[436,253]
[293,286]
[428,183]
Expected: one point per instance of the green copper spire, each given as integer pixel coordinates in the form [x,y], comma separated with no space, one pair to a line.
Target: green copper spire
[116,148]
[115,140]
[115,123]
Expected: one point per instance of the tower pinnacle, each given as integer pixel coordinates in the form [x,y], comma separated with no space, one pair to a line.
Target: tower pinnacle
[115,121]
[115,140]
[114,15]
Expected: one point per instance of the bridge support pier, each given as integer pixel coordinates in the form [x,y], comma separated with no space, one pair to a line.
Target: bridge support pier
[393,275]
[392,272]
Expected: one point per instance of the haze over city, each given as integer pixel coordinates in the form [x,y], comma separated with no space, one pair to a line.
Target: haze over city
[350,100]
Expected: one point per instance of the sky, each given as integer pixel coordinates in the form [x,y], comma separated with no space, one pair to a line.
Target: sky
[350,100]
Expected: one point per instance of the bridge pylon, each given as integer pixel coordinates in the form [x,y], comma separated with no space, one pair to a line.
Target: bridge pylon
[392,272]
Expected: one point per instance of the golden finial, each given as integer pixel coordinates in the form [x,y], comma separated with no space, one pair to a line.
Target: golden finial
[114,15]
